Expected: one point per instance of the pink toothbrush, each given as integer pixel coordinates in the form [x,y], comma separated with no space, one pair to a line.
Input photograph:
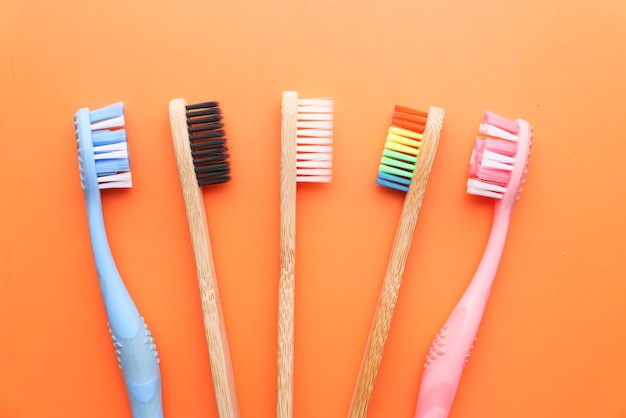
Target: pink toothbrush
[497,169]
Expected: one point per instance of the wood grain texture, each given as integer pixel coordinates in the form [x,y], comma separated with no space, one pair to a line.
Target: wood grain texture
[214,327]
[395,268]
[284,383]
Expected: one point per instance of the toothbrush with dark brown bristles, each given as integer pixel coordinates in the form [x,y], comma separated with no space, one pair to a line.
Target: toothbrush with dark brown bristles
[202,159]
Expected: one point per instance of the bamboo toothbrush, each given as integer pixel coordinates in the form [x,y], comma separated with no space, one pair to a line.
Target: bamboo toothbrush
[406,164]
[201,156]
[497,168]
[104,164]
[306,156]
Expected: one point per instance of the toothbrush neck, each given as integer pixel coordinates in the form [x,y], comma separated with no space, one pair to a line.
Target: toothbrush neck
[121,310]
[97,232]
[490,260]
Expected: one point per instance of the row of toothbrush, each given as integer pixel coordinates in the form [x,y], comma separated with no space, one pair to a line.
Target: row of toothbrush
[497,168]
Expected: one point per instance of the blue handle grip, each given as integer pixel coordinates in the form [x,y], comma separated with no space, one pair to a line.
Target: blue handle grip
[137,357]
[132,340]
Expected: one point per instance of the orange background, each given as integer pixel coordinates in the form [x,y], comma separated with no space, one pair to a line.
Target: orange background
[553,338]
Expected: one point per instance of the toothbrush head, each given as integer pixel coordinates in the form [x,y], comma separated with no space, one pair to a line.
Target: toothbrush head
[314,140]
[500,158]
[208,143]
[402,148]
[102,148]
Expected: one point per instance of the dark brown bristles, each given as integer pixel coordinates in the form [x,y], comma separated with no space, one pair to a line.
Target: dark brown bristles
[208,143]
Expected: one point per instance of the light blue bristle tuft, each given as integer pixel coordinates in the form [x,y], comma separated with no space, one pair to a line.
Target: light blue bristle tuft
[108,112]
[106,137]
[396,179]
[112,166]
[103,148]
[393,182]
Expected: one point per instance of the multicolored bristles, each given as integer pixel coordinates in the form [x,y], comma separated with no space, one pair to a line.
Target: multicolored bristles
[208,143]
[402,148]
[102,147]
[493,163]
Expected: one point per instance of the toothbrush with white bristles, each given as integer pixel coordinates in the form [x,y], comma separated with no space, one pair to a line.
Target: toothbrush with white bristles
[306,156]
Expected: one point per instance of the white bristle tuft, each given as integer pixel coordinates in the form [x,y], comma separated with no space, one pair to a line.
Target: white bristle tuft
[491,130]
[315,133]
[314,140]
[481,188]
[111,151]
[492,159]
[120,180]
[112,123]
[322,149]
[314,157]
[304,125]
[314,164]
[314,115]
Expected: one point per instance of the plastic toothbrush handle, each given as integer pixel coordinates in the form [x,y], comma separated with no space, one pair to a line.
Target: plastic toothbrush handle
[133,343]
[451,348]
[137,357]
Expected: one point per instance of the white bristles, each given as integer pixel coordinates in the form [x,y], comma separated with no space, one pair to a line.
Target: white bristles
[321,149]
[121,180]
[315,114]
[314,140]
[481,188]
[314,164]
[110,151]
[116,122]
[492,159]
[111,155]
[314,179]
[491,130]
[303,125]
[118,146]
[314,157]
[315,133]
[326,103]
[315,172]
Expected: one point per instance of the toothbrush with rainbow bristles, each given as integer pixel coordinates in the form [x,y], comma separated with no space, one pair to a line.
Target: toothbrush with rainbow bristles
[306,156]
[497,168]
[406,163]
[104,164]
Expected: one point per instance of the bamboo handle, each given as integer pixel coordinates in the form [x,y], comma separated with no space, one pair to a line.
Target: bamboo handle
[393,277]
[284,384]
[214,327]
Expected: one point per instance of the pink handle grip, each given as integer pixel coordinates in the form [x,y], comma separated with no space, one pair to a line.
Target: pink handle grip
[452,345]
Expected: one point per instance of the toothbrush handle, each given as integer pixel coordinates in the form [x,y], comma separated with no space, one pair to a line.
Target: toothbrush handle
[447,356]
[286,282]
[389,292]
[133,343]
[452,346]
[138,359]
[222,373]
[132,340]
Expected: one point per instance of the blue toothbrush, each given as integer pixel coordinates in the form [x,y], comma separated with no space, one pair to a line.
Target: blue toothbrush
[104,164]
